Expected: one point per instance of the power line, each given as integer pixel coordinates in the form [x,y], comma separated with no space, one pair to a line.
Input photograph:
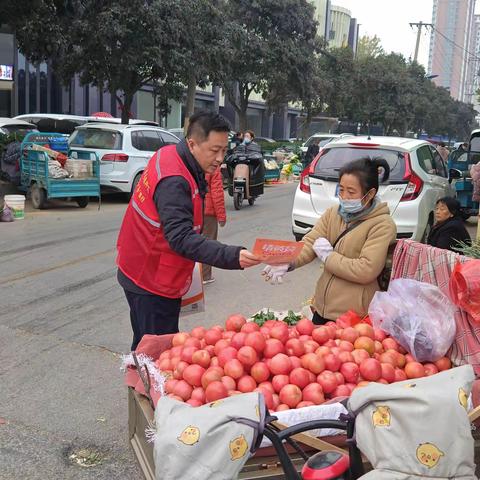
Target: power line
[419,26]
[453,42]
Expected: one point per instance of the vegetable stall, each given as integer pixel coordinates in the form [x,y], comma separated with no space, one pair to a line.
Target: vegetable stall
[306,372]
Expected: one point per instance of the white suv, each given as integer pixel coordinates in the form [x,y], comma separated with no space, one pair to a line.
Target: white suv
[123,150]
[418,178]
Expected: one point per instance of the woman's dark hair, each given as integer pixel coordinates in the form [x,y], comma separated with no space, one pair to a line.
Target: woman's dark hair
[367,171]
[250,132]
[454,207]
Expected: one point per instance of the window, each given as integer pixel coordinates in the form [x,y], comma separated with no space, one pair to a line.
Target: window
[168,139]
[439,163]
[425,160]
[334,159]
[96,138]
[146,140]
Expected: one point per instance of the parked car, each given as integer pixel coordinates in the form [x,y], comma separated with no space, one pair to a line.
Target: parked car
[178,132]
[418,178]
[12,125]
[123,150]
[324,139]
[60,123]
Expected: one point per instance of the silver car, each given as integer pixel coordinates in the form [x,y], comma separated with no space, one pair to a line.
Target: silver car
[418,178]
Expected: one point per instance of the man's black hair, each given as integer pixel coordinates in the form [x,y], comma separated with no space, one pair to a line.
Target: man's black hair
[204,122]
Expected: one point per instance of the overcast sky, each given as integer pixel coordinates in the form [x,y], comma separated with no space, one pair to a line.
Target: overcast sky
[389,20]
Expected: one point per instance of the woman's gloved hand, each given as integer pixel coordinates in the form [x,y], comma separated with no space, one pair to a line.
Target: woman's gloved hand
[322,248]
[275,273]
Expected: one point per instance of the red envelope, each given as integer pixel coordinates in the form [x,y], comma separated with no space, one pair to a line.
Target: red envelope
[274,252]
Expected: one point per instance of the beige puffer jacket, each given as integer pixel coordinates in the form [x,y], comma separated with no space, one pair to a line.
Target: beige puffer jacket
[349,279]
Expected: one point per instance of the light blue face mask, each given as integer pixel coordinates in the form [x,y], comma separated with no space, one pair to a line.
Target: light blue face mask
[246,141]
[353,205]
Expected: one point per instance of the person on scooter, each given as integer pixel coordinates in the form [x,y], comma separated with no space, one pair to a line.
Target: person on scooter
[351,240]
[248,137]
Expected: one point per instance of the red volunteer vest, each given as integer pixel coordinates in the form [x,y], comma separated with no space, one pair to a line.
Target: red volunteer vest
[144,254]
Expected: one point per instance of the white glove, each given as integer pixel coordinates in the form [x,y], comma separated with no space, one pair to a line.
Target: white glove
[275,273]
[322,248]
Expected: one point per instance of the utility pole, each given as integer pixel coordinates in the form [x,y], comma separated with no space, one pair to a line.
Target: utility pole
[419,25]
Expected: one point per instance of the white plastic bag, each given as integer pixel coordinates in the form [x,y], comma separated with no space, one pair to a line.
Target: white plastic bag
[416,314]
[194,300]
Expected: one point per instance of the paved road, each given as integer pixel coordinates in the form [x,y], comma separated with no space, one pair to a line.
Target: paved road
[64,325]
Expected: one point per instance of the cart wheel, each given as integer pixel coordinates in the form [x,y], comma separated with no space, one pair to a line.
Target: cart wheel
[251,200]
[237,200]
[39,196]
[82,202]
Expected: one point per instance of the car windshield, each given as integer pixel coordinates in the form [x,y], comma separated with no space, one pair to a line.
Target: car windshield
[96,138]
[333,159]
[20,130]
[323,139]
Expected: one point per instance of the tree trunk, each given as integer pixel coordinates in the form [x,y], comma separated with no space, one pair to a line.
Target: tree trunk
[190,106]
[242,118]
[126,106]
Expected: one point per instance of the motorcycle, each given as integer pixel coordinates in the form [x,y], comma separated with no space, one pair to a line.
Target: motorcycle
[246,174]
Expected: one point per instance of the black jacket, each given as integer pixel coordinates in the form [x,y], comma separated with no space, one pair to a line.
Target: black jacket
[446,234]
[174,205]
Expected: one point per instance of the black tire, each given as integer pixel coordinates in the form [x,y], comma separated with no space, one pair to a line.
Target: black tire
[134,186]
[298,236]
[428,229]
[237,200]
[82,202]
[39,196]
[251,201]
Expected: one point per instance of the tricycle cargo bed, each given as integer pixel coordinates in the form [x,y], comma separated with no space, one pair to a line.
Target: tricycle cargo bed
[264,465]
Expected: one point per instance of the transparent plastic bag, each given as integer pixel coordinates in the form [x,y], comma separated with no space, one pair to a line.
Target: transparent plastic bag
[417,315]
[465,287]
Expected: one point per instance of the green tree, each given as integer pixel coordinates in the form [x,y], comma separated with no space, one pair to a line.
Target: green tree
[202,24]
[369,47]
[266,47]
[116,45]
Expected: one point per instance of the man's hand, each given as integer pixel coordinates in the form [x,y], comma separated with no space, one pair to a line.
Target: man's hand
[222,224]
[248,259]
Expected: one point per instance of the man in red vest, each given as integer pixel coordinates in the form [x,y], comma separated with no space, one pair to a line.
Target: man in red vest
[160,238]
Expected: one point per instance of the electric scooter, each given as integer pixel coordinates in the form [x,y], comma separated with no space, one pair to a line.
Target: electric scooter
[246,174]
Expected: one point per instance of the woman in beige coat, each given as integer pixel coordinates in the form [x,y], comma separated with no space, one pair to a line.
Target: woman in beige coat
[351,240]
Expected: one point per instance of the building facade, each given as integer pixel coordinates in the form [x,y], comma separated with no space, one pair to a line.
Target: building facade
[473,71]
[28,88]
[323,17]
[339,27]
[449,57]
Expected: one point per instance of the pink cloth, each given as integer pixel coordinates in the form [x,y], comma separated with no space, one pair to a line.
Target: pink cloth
[152,346]
[435,266]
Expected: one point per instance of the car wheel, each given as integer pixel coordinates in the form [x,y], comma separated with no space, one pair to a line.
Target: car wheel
[134,185]
[251,201]
[298,236]
[428,229]
[82,202]
[39,196]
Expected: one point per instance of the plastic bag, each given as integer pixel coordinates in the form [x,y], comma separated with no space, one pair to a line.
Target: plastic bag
[348,319]
[417,315]
[6,215]
[465,287]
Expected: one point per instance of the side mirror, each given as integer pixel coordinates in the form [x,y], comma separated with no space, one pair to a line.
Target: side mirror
[454,174]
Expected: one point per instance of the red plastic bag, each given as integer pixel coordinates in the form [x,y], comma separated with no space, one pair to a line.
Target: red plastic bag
[349,319]
[465,287]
